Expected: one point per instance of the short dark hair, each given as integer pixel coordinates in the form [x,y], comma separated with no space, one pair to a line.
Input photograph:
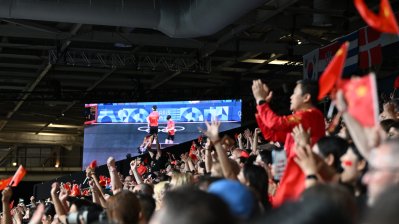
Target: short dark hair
[386,124]
[310,87]
[335,146]
[168,117]
[154,107]
[186,205]
[394,125]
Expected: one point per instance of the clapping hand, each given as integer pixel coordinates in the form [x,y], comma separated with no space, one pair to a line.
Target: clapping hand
[261,91]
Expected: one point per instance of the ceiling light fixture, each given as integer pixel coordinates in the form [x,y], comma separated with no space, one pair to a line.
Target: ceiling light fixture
[255,61]
[278,62]
[261,61]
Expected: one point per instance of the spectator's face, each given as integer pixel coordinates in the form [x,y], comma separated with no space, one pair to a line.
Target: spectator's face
[128,181]
[352,167]
[297,99]
[383,172]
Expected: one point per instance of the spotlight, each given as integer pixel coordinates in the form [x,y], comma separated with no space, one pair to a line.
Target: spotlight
[14,164]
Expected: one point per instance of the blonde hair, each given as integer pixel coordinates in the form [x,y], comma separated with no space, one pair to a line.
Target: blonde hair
[181,179]
[159,191]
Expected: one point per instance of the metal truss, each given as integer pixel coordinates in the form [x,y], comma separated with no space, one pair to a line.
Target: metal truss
[84,58]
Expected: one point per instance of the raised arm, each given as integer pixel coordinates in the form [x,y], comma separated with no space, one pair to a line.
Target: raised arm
[137,177]
[63,197]
[263,96]
[113,172]
[269,134]
[59,208]
[5,200]
[239,139]
[248,136]
[213,134]
[208,156]
[311,164]
[255,141]
[356,130]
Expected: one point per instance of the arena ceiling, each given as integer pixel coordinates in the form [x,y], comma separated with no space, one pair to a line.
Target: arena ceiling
[54,57]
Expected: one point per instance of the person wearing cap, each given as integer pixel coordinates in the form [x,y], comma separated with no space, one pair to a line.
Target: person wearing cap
[153,120]
[240,200]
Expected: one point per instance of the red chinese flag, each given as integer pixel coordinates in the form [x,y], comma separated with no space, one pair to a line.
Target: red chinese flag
[362,100]
[75,191]
[384,22]
[93,164]
[291,186]
[333,71]
[18,176]
[102,181]
[4,183]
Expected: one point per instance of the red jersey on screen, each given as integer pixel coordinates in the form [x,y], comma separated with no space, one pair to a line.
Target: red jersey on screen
[171,127]
[153,118]
[273,126]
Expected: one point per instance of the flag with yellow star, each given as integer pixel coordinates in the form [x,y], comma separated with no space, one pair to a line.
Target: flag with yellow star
[361,96]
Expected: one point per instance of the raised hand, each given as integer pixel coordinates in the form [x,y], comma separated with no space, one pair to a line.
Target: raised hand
[306,160]
[261,91]
[37,215]
[133,164]
[18,214]
[55,187]
[6,195]
[301,136]
[184,157]
[63,194]
[247,133]
[111,164]
[212,131]
[89,172]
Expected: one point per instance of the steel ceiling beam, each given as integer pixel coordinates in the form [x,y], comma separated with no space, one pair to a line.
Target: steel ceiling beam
[41,75]
[212,47]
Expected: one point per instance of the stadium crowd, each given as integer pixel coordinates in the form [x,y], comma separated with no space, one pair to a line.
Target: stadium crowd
[290,169]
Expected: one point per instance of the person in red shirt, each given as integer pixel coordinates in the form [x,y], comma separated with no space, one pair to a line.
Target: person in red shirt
[170,128]
[275,127]
[141,168]
[153,120]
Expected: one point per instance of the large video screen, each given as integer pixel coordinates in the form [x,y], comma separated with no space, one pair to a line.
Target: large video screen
[118,129]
